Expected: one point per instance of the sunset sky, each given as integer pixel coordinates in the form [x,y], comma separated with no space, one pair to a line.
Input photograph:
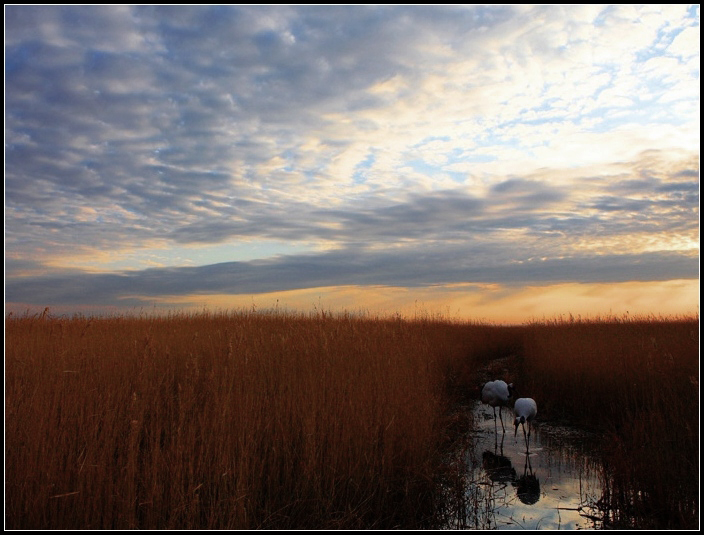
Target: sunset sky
[500,163]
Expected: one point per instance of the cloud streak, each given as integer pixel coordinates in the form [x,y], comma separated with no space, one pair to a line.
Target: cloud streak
[430,267]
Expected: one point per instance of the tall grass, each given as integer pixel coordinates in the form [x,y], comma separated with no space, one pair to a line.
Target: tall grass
[278,420]
[636,381]
[225,420]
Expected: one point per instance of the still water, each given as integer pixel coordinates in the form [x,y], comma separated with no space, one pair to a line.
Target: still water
[555,486]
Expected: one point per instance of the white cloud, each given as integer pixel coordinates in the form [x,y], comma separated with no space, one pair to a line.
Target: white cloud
[687,43]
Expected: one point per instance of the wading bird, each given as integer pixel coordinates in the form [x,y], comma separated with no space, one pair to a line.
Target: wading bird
[525,410]
[496,394]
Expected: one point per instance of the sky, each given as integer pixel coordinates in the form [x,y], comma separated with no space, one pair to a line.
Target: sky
[499,163]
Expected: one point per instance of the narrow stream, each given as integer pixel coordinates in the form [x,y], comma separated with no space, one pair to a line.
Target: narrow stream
[555,486]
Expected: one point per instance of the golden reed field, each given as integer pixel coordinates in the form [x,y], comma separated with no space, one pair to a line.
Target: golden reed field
[281,420]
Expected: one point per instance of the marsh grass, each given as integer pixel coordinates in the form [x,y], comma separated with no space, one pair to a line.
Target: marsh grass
[279,420]
[225,420]
[635,380]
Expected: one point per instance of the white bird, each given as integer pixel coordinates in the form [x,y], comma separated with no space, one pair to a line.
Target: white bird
[496,394]
[525,410]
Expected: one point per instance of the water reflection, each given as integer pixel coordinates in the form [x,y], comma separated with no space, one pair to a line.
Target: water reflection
[552,487]
[527,486]
[498,467]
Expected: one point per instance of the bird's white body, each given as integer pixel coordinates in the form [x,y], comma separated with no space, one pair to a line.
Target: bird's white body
[497,394]
[525,410]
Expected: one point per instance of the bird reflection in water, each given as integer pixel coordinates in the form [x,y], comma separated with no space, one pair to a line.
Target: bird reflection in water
[498,468]
[527,485]
[501,471]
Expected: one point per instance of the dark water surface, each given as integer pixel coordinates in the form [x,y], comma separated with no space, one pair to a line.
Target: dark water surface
[555,486]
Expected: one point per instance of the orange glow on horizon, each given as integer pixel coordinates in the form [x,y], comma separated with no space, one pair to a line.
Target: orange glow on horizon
[491,303]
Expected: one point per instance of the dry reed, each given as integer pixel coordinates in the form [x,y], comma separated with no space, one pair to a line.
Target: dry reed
[224,420]
[635,380]
[276,420]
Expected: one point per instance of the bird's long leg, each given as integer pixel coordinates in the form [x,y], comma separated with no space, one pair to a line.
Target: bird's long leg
[502,420]
[524,435]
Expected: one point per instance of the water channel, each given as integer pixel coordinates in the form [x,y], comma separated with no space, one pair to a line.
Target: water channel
[555,486]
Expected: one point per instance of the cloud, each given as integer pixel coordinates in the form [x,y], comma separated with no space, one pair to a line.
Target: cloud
[481,138]
[424,267]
